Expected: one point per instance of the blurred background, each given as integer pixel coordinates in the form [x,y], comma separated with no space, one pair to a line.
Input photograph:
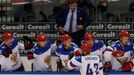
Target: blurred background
[45,10]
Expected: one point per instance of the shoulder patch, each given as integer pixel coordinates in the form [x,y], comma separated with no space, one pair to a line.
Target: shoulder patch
[129,43]
[75,46]
[112,45]
[0,51]
[60,46]
[96,41]
[78,59]
[3,47]
[33,50]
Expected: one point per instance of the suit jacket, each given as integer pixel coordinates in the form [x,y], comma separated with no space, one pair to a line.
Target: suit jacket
[82,17]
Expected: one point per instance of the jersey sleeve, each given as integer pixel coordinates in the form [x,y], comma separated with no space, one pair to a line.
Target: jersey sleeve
[54,47]
[107,53]
[21,46]
[49,50]
[75,46]
[74,62]
[0,51]
[57,52]
[101,68]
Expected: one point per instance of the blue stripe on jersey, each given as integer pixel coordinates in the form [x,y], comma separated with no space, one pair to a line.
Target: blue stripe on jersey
[61,49]
[79,59]
[126,48]
[97,45]
[38,50]
[15,42]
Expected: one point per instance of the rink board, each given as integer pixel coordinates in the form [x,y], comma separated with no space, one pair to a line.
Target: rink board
[59,73]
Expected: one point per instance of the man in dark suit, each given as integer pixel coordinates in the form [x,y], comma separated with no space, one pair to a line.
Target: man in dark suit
[73,20]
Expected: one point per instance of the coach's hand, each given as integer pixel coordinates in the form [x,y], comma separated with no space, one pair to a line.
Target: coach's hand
[79,27]
[61,30]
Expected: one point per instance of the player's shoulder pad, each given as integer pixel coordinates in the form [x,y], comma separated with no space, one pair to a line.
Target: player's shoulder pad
[114,43]
[79,59]
[48,44]
[130,43]
[2,44]
[74,46]
[16,39]
[60,46]
[99,43]
[34,47]
[0,50]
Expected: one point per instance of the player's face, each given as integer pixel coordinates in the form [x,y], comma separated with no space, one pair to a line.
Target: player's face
[124,40]
[42,43]
[73,6]
[68,43]
[8,41]
[90,42]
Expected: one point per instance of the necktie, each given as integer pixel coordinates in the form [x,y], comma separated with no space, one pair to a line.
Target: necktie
[71,22]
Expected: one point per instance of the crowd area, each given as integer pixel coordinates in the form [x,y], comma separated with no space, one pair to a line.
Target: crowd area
[99,11]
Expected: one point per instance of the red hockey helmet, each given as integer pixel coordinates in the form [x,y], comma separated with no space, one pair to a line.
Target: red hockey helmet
[86,47]
[41,37]
[124,33]
[6,36]
[65,37]
[88,36]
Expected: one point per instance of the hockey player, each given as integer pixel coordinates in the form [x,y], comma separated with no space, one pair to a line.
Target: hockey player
[9,50]
[97,45]
[41,54]
[88,64]
[65,49]
[119,53]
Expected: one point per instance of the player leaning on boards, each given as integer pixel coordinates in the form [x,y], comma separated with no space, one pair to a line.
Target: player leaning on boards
[119,53]
[9,50]
[89,64]
[41,54]
[66,48]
